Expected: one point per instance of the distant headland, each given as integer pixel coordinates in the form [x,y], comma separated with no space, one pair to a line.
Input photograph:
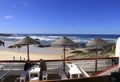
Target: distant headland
[2,34]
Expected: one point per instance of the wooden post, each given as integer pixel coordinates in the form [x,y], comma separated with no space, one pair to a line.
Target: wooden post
[96,59]
[28,52]
[64,59]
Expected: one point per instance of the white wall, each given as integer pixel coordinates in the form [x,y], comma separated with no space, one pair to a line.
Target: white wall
[117,50]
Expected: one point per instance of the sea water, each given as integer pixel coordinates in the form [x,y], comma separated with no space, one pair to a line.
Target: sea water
[47,39]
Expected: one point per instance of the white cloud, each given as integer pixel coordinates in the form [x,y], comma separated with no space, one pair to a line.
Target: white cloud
[8,17]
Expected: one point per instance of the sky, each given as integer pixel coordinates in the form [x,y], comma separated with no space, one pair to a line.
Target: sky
[60,16]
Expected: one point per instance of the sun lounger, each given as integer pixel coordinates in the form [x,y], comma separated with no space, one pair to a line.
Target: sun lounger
[3,74]
[62,74]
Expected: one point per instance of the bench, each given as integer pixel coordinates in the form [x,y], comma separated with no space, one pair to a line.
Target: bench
[3,74]
[62,74]
[44,75]
[23,76]
[1,67]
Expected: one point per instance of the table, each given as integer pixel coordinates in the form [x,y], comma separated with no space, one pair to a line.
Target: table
[72,69]
[34,71]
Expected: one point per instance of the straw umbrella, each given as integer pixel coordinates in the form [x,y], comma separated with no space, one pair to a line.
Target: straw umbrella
[25,42]
[64,42]
[97,42]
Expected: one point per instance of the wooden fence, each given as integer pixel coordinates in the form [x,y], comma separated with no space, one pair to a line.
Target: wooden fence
[88,64]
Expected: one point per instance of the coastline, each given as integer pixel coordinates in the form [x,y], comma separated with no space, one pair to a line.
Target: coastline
[37,53]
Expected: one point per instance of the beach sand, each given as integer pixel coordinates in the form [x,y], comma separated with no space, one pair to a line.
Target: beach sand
[8,55]
[35,53]
[38,53]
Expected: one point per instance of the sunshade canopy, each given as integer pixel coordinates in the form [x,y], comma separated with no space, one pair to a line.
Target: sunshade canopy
[97,42]
[26,41]
[64,41]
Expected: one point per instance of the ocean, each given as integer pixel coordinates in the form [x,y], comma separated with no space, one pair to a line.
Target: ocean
[47,39]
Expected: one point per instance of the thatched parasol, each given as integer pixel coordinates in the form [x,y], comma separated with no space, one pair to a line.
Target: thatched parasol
[97,42]
[25,42]
[64,42]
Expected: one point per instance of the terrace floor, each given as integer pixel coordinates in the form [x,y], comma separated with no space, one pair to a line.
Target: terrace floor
[15,78]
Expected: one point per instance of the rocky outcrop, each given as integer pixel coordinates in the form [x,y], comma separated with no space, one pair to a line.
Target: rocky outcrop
[1,34]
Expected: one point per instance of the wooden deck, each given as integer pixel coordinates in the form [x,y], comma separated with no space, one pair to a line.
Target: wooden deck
[53,73]
[57,78]
[12,78]
[91,79]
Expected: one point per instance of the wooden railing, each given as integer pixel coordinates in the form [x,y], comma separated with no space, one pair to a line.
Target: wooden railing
[108,71]
[88,64]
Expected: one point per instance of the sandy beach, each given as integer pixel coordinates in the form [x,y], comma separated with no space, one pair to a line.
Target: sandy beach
[35,53]
[9,54]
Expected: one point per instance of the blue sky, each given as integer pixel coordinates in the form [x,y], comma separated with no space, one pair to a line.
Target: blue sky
[60,16]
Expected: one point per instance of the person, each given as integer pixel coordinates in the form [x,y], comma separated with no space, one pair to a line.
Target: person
[43,67]
[27,65]
[115,60]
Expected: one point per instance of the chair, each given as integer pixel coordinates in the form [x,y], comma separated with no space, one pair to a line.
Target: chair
[23,76]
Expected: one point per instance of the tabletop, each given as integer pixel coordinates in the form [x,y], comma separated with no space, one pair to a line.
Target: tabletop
[34,70]
[72,69]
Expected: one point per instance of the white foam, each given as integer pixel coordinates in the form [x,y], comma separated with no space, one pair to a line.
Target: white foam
[43,38]
[51,38]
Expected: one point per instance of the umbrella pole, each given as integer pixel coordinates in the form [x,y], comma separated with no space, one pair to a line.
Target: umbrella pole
[28,52]
[64,59]
[96,59]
